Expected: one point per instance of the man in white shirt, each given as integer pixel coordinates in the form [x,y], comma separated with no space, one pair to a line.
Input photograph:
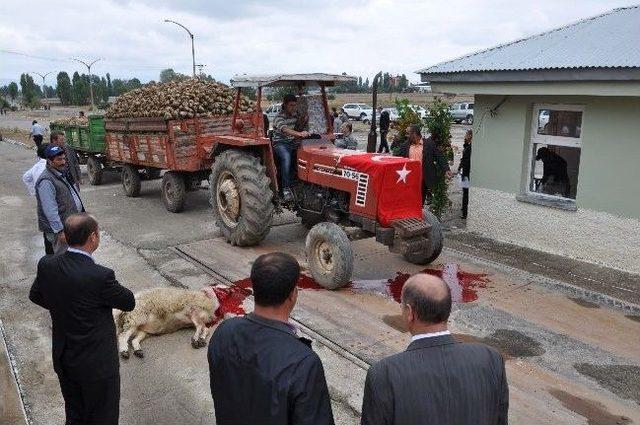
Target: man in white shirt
[30,177]
[436,380]
[37,132]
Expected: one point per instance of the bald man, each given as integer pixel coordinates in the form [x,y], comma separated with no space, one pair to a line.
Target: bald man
[80,294]
[436,380]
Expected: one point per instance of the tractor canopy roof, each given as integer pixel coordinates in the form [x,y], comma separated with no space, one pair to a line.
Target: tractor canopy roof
[294,80]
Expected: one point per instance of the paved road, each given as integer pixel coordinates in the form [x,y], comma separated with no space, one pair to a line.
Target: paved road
[568,360]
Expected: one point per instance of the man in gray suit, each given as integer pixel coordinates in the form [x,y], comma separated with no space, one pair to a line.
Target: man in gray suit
[436,380]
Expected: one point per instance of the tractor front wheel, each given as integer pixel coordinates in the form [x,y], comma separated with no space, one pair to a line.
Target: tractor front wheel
[329,255]
[94,170]
[241,197]
[131,181]
[434,247]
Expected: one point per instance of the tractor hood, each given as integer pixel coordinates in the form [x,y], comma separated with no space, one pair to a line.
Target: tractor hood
[396,183]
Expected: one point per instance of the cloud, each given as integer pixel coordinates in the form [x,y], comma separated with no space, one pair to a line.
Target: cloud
[359,37]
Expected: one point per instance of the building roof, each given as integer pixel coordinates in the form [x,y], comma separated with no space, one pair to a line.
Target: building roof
[610,40]
[289,80]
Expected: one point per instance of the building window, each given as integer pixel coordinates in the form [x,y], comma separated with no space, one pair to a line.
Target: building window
[554,156]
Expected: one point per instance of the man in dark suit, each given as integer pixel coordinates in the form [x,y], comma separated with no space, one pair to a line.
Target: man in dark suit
[436,380]
[80,295]
[261,372]
[425,150]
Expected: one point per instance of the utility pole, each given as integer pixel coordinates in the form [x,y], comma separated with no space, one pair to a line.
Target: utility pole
[89,65]
[193,52]
[43,77]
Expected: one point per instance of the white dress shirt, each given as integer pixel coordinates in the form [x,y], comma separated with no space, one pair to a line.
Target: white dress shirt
[429,335]
[79,251]
[31,176]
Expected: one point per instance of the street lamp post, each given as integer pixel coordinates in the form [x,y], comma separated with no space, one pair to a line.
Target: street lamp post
[193,52]
[89,65]
[43,78]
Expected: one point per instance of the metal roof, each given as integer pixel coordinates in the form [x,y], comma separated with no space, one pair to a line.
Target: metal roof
[289,80]
[610,40]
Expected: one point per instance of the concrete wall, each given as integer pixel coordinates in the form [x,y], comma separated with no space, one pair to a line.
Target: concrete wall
[606,227]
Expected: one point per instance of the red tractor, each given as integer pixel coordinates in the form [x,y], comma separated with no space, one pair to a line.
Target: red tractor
[341,195]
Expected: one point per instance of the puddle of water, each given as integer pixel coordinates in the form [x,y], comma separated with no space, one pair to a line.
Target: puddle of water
[463,285]
[595,412]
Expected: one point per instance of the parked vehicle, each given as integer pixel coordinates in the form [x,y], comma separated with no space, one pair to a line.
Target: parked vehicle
[393,114]
[358,111]
[273,110]
[333,193]
[462,111]
[421,111]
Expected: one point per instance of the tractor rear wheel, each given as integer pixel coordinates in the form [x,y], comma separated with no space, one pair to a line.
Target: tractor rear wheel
[329,255]
[434,247]
[130,181]
[94,170]
[241,197]
[173,191]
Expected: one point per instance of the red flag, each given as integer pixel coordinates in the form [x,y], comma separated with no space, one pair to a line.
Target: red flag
[396,180]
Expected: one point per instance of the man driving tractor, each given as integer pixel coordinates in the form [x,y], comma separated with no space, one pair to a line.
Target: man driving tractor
[289,128]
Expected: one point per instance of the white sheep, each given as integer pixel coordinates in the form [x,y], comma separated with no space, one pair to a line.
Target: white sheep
[164,310]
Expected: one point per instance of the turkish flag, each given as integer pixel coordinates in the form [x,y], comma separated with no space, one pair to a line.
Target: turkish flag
[397,181]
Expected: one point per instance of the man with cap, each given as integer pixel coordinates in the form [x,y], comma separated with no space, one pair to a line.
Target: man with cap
[57,200]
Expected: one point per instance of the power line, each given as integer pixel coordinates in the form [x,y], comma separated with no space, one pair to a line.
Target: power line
[11,52]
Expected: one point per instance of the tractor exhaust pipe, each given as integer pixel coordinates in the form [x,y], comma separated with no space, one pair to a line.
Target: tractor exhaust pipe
[372,139]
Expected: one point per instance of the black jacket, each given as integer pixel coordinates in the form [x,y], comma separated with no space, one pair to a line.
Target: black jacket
[261,373]
[437,381]
[465,161]
[433,161]
[384,121]
[80,295]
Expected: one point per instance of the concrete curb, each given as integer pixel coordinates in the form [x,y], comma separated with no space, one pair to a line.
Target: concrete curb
[17,143]
[568,288]
[14,373]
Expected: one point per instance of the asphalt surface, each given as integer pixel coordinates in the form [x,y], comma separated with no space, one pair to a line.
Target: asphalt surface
[570,358]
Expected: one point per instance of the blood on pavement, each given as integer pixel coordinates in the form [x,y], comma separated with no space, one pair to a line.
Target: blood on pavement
[232,297]
[463,284]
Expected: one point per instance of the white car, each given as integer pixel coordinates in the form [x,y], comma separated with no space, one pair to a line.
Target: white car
[358,111]
[462,112]
[422,112]
[272,111]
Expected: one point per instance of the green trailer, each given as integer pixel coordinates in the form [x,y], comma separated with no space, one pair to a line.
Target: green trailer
[88,143]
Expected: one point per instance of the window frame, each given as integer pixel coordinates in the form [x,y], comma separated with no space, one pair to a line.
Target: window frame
[544,139]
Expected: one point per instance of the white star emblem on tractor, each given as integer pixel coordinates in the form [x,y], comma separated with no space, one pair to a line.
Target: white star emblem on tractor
[402,174]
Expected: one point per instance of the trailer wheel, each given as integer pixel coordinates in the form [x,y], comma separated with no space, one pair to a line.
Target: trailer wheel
[94,170]
[241,197]
[130,181]
[329,255]
[434,247]
[173,191]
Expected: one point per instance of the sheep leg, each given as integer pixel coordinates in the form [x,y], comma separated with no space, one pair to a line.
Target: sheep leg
[195,340]
[135,343]
[123,342]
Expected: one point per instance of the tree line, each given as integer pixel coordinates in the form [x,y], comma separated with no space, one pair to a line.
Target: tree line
[75,90]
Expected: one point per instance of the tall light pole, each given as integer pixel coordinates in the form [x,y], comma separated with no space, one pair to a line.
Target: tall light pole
[89,65]
[43,77]
[193,52]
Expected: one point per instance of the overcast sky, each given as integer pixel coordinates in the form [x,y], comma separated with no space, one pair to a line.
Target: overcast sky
[359,37]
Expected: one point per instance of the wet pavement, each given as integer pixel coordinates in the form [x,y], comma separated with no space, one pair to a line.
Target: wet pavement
[571,358]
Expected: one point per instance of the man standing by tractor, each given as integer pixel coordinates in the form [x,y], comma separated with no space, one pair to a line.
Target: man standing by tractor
[288,129]
[434,164]
[72,172]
